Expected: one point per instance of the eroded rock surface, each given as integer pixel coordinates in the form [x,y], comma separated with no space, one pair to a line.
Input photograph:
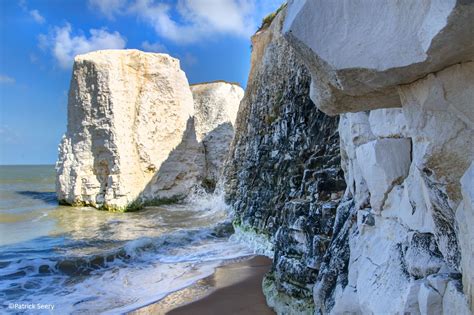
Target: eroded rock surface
[403,166]
[137,133]
[198,159]
[216,105]
[359,52]
[127,110]
[399,240]
[283,176]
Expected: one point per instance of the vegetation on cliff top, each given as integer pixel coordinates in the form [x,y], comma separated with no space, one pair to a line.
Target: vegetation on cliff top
[266,21]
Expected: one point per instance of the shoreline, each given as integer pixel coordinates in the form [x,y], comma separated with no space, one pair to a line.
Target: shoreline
[234,288]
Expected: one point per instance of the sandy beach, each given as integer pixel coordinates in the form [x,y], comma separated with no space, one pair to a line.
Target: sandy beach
[235,288]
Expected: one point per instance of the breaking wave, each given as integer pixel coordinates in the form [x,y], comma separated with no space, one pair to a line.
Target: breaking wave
[160,250]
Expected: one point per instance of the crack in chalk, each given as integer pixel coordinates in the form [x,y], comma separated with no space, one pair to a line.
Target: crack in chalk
[396,182]
[432,287]
[370,260]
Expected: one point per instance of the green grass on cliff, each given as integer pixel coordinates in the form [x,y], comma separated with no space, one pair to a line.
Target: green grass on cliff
[266,21]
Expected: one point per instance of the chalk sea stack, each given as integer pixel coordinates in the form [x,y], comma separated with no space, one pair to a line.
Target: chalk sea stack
[128,111]
[349,160]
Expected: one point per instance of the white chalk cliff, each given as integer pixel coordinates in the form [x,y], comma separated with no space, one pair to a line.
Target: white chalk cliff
[128,111]
[367,212]
[216,105]
[199,158]
[402,76]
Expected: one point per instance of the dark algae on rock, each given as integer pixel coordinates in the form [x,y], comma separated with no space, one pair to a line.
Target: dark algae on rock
[369,212]
[284,176]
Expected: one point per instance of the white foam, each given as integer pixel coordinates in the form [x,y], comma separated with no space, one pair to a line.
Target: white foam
[144,270]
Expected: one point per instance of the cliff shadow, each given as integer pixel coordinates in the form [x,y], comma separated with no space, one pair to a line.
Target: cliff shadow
[192,163]
[216,144]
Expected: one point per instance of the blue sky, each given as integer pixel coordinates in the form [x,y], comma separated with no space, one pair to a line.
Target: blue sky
[40,38]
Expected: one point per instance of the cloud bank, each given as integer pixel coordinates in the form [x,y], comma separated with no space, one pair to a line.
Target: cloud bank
[64,46]
[189,21]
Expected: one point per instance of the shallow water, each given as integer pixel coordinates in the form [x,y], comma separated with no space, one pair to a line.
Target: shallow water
[82,260]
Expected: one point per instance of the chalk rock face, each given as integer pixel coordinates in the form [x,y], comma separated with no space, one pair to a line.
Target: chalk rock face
[407,169]
[358,53]
[405,197]
[383,163]
[127,111]
[183,169]
[216,105]
[283,175]
[465,219]
[199,158]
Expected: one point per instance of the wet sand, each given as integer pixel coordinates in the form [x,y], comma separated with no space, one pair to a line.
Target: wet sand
[235,288]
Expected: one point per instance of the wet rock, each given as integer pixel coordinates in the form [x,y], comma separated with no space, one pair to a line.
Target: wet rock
[402,235]
[283,177]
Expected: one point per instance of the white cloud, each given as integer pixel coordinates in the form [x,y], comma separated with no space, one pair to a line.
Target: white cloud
[188,21]
[109,8]
[64,46]
[37,16]
[5,79]
[233,16]
[197,19]
[154,47]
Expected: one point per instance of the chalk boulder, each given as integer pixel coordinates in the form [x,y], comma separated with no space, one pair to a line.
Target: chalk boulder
[357,60]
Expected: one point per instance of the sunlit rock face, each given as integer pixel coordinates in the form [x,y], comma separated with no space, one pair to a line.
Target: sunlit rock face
[358,52]
[403,243]
[283,176]
[132,135]
[126,111]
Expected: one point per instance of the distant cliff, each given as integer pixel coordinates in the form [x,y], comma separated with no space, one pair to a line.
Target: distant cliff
[374,216]
[133,137]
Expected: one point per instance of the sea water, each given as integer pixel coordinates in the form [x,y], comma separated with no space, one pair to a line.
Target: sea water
[63,260]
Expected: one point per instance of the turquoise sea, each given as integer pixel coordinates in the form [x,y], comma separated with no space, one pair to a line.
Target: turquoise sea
[65,260]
